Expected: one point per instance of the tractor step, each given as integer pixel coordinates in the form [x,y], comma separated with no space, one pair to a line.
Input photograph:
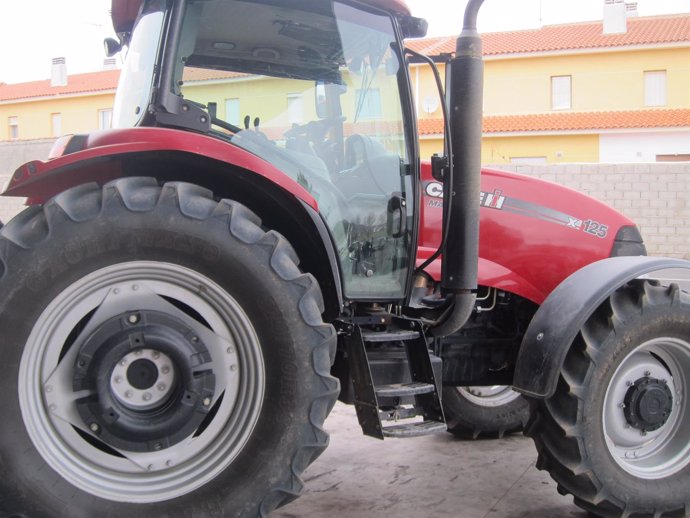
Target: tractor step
[404,389]
[397,413]
[395,336]
[406,395]
[414,429]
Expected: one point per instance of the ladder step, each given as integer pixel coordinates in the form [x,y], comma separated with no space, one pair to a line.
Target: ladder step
[394,336]
[414,429]
[404,389]
[398,413]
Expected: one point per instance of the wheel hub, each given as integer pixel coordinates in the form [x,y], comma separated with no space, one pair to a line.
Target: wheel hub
[147,381]
[648,404]
[143,379]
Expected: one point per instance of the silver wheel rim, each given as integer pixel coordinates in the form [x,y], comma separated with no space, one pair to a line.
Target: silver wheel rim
[665,451]
[47,400]
[490,396]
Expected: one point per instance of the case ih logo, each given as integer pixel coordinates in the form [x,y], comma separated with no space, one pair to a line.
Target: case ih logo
[491,200]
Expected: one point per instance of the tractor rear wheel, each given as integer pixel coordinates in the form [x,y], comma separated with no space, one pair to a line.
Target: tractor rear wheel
[486,412]
[616,434]
[162,355]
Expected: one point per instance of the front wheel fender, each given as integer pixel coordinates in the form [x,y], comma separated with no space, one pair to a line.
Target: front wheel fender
[566,310]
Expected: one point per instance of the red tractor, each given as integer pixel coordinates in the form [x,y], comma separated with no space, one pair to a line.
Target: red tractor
[186,293]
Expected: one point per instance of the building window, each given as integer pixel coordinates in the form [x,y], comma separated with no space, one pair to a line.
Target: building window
[105,119]
[655,88]
[368,104]
[232,111]
[13,123]
[561,92]
[295,108]
[55,124]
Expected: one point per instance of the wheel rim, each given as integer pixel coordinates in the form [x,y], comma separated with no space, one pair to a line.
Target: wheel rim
[232,396]
[490,396]
[653,378]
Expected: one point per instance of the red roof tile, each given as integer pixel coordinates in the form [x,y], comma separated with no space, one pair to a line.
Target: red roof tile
[91,82]
[649,30]
[573,121]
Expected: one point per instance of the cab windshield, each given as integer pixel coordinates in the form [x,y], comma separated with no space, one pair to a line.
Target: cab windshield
[315,91]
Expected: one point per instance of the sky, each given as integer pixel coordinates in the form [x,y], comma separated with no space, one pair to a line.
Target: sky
[32,32]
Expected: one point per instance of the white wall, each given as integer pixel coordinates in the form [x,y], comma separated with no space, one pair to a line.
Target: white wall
[616,148]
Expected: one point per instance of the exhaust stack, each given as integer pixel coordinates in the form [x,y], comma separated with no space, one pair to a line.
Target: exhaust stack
[461,187]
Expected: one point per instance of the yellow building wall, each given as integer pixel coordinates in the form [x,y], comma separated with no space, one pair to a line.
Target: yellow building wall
[267,98]
[555,148]
[79,115]
[600,81]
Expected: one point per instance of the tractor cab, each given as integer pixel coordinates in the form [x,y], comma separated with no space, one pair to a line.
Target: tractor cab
[317,89]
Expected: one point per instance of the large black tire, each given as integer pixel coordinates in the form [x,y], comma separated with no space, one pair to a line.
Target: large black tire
[484,412]
[616,434]
[205,288]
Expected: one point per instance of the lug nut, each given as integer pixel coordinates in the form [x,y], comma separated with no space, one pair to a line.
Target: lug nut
[207,401]
[161,387]
[94,427]
[647,374]
[118,379]
[233,368]
[156,355]
[147,396]
[129,394]
[230,350]
[165,369]
[133,319]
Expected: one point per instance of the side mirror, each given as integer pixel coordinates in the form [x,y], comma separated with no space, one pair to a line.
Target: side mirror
[111,46]
[413,27]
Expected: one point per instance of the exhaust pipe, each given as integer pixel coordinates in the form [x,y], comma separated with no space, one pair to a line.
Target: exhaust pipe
[465,98]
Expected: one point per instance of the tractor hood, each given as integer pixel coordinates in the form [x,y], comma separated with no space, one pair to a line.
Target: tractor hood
[533,233]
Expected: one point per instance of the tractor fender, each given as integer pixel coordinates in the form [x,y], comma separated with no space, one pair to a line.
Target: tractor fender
[566,310]
[172,155]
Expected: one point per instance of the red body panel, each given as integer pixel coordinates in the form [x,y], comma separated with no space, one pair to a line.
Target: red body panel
[124,13]
[533,233]
[100,161]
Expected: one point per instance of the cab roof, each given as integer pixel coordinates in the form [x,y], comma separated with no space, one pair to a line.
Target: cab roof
[124,12]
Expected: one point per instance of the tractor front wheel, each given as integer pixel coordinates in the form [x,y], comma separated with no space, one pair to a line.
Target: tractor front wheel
[162,355]
[486,412]
[616,434]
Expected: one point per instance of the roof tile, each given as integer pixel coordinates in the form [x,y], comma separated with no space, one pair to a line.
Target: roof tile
[573,121]
[91,82]
[648,30]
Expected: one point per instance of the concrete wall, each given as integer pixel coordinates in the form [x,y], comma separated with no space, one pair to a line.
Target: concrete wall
[655,196]
[12,155]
